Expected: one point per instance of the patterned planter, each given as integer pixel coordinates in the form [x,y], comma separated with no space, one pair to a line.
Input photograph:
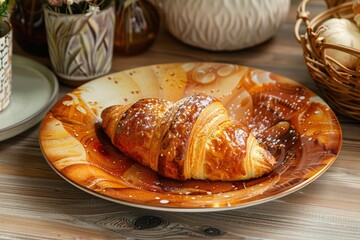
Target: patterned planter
[5,63]
[80,45]
[223,24]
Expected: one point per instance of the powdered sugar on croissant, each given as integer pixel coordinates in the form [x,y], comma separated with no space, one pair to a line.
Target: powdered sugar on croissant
[191,138]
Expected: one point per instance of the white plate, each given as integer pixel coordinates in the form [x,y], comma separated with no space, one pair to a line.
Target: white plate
[34,91]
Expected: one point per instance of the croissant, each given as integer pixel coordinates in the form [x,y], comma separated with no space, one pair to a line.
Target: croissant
[191,138]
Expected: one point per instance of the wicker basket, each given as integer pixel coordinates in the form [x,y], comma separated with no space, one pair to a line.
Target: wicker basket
[339,86]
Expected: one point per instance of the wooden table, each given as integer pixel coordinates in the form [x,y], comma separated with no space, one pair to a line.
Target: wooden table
[36,203]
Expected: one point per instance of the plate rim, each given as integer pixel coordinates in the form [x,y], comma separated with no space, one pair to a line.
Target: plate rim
[37,116]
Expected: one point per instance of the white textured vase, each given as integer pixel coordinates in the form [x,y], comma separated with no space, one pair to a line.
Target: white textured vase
[223,24]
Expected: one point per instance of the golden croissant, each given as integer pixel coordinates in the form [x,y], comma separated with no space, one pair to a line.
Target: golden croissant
[191,138]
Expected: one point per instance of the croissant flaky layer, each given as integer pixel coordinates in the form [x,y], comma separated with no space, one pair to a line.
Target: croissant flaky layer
[191,138]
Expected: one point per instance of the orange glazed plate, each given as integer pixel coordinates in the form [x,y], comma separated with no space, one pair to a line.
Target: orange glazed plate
[291,121]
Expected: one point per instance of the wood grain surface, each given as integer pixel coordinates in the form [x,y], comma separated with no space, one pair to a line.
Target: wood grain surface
[36,203]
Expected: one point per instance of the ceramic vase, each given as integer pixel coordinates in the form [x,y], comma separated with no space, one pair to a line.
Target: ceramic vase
[5,63]
[80,45]
[137,25]
[223,24]
[28,24]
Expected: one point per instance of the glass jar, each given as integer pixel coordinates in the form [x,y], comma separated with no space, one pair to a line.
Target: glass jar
[136,28]
[28,24]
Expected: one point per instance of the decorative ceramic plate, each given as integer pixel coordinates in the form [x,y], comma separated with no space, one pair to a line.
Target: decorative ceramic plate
[295,124]
[34,91]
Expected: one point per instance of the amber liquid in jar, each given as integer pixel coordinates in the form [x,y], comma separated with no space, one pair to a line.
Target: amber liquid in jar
[137,25]
[29,26]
